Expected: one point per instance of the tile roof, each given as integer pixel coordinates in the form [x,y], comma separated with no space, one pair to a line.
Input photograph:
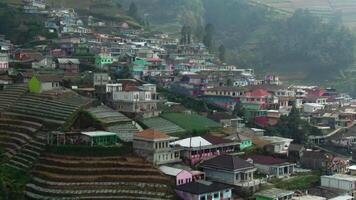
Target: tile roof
[151,134]
[215,139]
[49,78]
[228,162]
[202,187]
[266,160]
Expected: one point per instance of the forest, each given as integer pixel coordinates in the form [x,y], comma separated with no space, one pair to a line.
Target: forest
[260,37]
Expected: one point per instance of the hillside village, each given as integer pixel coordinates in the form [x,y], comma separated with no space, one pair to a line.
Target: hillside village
[110,110]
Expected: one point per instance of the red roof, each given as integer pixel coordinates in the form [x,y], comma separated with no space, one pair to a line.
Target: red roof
[153,60]
[257,93]
[266,160]
[151,134]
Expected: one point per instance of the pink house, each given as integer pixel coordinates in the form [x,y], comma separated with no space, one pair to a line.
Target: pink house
[4,62]
[179,176]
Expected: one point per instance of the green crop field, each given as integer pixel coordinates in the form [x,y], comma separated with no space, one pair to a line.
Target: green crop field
[191,122]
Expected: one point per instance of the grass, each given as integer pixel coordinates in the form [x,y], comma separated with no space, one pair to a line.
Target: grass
[299,182]
[191,122]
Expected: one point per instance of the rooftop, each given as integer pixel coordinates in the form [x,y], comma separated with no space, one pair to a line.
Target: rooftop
[274,193]
[192,142]
[98,133]
[228,162]
[151,134]
[267,160]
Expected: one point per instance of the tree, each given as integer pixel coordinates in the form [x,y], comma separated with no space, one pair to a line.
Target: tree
[222,53]
[133,12]
[208,38]
[239,110]
[186,35]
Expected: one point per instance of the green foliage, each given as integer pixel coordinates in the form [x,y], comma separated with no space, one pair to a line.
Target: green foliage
[299,182]
[208,38]
[133,12]
[19,27]
[12,181]
[292,126]
[222,53]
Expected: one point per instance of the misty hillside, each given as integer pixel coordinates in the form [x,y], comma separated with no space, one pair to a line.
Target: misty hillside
[259,36]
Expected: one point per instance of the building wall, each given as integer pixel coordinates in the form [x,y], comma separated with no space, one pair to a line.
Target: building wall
[220,176]
[332,182]
[184,177]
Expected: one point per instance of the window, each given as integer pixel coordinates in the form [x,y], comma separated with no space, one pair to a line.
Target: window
[202,198]
[216,195]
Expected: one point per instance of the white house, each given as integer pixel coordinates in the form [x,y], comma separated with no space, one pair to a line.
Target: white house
[339,181]
[312,107]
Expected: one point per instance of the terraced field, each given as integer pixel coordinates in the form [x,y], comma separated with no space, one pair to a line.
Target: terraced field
[162,125]
[71,177]
[190,122]
[323,8]
[9,95]
[15,134]
[116,122]
[36,108]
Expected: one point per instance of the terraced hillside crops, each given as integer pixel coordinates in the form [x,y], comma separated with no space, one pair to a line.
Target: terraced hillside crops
[190,122]
[14,134]
[323,8]
[33,107]
[71,177]
[9,95]
[162,125]
[116,122]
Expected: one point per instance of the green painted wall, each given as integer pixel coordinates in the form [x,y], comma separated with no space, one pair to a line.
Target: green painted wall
[102,60]
[34,85]
[263,198]
[245,144]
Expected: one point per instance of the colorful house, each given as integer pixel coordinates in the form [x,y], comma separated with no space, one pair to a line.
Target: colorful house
[180,176]
[204,190]
[195,149]
[101,138]
[103,59]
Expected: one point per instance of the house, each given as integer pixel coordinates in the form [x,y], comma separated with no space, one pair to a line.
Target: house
[272,166]
[70,66]
[312,107]
[42,83]
[339,181]
[180,176]
[314,160]
[100,138]
[5,80]
[4,62]
[204,190]
[100,79]
[274,194]
[245,142]
[232,170]
[295,152]
[45,63]
[155,147]
[225,119]
[195,149]
[103,59]
[140,100]
[352,169]
[277,145]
